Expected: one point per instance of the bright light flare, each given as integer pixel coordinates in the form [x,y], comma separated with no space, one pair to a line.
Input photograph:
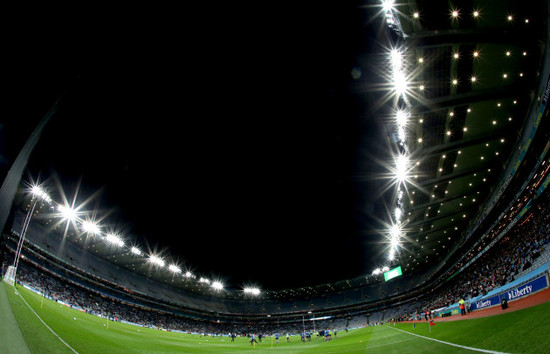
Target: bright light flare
[388,5]
[252,291]
[402,117]
[136,251]
[204,281]
[217,285]
[67,213]
[376,271]
[91,227]
[400,83]
[398,213]
[399,78]
[174,268]
[395,231]
[114,239]
[401,168]
[37,191]
[156,260]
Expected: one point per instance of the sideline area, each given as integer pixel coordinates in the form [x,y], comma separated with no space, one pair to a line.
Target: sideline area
[11,338]
[516,305]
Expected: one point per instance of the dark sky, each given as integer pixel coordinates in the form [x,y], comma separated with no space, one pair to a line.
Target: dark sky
[233,135]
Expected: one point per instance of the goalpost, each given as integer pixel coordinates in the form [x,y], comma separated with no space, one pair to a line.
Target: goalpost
[9,277]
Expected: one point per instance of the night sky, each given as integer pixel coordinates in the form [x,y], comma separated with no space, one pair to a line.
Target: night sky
[239,137]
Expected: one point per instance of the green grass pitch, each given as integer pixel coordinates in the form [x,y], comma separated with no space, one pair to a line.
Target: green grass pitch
[525,331]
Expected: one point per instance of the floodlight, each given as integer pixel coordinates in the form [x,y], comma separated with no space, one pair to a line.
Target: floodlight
[114,239]
[395,230]
[174,268]
[401,134]
[397,212]
[90,227]
[401,117]
[188,274]
[396,58]
[400,83]
[135,251]
[385,269]
[387,5]
[156,260]
[204,280]
[252,291]
[37,191]
[217,285]
[402,163]
[67,213]
[376,271]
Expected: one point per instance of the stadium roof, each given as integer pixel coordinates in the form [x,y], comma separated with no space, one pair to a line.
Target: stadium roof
[280,160]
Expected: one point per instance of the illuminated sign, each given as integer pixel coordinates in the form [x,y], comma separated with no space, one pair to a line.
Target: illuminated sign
[392,273]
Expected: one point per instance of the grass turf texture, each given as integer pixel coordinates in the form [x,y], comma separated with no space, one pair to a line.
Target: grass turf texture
[521,331]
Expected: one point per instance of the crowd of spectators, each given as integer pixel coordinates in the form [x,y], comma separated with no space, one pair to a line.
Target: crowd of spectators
[100,305]
[501,264]
[513,254]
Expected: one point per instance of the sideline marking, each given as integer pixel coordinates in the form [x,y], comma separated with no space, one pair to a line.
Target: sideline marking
[449,343]
[369,347]
[44,323]
[386,344]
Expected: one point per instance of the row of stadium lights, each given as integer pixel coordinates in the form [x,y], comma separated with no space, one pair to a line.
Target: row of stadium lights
[400,171]
[71,215]
[400,88]
[388,7]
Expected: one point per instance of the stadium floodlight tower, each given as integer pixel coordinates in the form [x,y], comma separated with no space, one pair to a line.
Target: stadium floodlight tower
[38,194]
